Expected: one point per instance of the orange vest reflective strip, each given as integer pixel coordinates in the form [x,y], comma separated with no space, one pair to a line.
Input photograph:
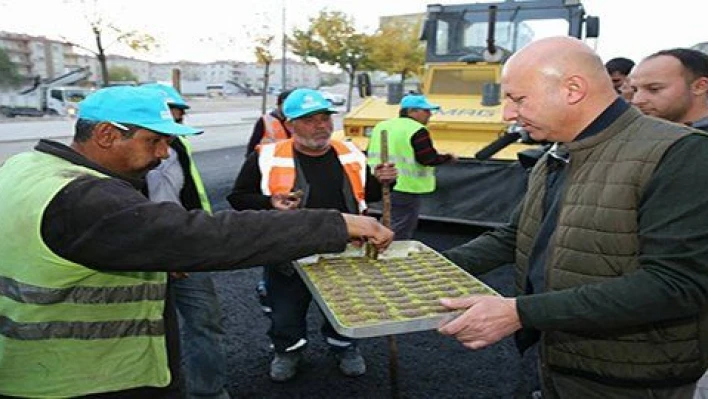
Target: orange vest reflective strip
[273,130]
[277,165]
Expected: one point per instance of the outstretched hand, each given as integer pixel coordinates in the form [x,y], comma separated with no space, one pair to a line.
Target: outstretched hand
[366,227]
[486,320]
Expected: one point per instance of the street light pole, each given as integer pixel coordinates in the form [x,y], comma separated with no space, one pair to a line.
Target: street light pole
[283,72]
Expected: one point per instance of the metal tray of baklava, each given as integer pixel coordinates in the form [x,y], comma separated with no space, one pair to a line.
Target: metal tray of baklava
[397,293]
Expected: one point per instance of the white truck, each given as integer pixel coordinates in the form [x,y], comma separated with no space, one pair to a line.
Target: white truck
[51,97]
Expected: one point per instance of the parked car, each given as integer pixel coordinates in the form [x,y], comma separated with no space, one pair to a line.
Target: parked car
[334,99]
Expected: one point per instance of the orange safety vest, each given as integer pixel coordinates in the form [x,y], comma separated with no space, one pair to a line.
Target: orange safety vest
[277,165]
[273,130]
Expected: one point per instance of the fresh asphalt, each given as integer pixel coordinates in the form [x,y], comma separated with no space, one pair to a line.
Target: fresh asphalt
[429,365]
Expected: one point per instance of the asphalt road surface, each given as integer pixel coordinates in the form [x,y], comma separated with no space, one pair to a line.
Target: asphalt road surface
[429,364]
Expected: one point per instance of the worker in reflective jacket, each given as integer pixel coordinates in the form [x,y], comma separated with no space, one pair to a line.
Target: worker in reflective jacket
[308,171]
[270,128]
[411,149]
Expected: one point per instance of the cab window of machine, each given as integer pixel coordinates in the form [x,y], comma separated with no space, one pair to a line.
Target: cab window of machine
[475,35]
[512,36]
[56,94]
[442,38]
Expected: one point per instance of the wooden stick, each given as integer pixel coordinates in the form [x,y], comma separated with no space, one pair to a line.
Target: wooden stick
[371,251]
[385,187]
[386,221]
[393,366]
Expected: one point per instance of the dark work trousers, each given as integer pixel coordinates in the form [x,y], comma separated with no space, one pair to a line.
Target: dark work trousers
[289,298]
[405,208]
[202,336]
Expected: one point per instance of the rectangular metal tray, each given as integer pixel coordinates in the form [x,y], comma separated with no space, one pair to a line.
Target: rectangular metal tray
[398,293]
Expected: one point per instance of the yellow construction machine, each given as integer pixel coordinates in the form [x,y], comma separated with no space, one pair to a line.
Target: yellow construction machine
[466,46]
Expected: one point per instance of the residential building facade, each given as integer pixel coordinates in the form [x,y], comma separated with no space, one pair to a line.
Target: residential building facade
[39,56]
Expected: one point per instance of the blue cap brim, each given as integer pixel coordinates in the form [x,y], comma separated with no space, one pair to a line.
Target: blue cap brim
[171,128]
[432,107]
[319,111]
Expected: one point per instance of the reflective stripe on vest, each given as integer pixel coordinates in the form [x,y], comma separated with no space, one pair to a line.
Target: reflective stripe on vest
[67,330]
[80,330]
[28,293]
[277,165]
[273,130]
[409,171]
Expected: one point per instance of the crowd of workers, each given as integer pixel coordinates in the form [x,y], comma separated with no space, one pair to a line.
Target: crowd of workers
[108,241]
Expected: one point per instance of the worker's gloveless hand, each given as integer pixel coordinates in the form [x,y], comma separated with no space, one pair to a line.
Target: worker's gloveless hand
[386,173]
[453,158]
[284,202]
[369,228]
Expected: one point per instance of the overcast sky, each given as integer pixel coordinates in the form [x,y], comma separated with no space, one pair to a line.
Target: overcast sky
[205,30]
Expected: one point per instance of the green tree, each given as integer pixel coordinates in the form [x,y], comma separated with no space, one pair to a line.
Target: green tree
[121,74]
[8,71]
[396,49]
[332,39]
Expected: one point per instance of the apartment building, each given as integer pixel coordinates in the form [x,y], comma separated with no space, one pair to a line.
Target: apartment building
[47,58]
[38,56]
[298,74]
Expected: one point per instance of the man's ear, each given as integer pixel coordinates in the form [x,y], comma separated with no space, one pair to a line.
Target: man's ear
[577,88]
[104,134]
[699,87]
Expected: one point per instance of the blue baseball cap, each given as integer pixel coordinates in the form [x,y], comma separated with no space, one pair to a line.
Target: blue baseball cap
[137,106]
[172,96]
[417,101]
[304,102]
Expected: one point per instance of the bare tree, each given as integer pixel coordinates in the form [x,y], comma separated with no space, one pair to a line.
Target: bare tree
[101,28]
[261,43]
[264,56]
